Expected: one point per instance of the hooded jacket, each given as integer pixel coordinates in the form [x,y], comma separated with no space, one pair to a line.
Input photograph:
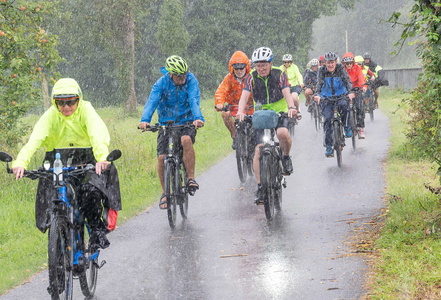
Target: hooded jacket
[356,75]
[82,136]
[84,128]
[230,89]
[180,104]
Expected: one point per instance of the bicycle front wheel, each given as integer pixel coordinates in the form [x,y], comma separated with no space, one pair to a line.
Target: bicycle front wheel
[371,105]
[88,266]
[266,181]
[338,141]
[353,125]
[59,253]
[170,191]
[183,194]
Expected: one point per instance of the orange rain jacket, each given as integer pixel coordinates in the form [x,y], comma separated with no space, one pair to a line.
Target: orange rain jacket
[230,89]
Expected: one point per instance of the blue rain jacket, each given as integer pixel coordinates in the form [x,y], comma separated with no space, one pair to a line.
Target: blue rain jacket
[180,104]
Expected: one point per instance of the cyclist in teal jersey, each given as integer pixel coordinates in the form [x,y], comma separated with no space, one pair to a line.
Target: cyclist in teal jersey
[270,88]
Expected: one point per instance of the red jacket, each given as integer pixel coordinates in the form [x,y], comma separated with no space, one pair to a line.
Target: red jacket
[356,75]
[230,89]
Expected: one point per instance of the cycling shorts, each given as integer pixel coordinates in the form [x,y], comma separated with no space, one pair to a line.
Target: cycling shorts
[162,147]
[258,133]
[296,89]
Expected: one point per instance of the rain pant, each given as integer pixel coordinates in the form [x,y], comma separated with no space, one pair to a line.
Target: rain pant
[83,129]
[230,89]
[180,104]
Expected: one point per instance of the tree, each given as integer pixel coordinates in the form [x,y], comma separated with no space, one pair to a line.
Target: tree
[171,35]
[424,131]
[27,50]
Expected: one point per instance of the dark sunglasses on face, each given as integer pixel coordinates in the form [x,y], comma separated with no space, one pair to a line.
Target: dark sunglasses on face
[63,103]
[239,66]
[349,63]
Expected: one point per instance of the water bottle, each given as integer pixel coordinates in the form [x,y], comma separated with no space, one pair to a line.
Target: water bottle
[258,106]
[58,168]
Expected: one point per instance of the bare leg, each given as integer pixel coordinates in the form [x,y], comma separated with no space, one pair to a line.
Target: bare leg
[256,163]
[160,169]
[189,155]
[284,140]
[229,123]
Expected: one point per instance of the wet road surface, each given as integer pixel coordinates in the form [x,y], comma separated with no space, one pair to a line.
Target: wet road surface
[228,250]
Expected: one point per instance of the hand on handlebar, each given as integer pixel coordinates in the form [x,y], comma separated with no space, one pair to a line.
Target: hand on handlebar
[240,116]
[292,112]
[101,166]
[143,126]
[198,123]
[18,172]
[351,96]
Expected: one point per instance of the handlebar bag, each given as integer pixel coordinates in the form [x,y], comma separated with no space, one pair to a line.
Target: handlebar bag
[265,119]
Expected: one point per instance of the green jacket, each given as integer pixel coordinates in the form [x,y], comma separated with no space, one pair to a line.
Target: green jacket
[294,76]
[84,128]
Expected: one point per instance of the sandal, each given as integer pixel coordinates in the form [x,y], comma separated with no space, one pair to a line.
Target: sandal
[192,186]
[162,202]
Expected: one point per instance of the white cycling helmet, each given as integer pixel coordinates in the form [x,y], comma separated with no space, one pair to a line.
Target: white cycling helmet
[314,62]
[262,54]
[287,57]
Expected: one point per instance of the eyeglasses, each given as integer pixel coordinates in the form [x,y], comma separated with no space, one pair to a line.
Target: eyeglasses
[239,66]
[349,63]
[63,103]
[288,62]
[180,75]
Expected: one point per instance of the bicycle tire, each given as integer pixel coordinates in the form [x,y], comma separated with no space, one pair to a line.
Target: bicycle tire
[371,105]
[278,193]
[338,144]
[291,127]
[89,273]
[353,125]
[183,193]
[170,192]
[266,181]
[60,272]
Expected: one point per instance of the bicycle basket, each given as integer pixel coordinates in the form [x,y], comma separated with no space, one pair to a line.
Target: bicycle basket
[265,119]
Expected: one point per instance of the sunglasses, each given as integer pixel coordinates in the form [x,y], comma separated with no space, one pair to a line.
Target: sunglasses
[349,63]
[63,103]
[288,62]
[239,68]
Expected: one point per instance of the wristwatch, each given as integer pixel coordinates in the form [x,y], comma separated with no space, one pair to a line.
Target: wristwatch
[293,107]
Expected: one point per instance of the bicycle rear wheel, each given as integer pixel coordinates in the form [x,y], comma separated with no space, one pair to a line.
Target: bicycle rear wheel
[266,181]
[89,266]
[338,144]
[170,191]
[59,259]
[183,194]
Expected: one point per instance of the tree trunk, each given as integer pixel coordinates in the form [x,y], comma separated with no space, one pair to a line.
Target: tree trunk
[45,92]
[129,47]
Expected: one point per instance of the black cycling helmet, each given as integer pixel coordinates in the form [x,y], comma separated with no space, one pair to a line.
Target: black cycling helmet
[330,56]
[367,55]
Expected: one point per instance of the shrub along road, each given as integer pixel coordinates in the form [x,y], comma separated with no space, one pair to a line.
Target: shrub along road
[227,249]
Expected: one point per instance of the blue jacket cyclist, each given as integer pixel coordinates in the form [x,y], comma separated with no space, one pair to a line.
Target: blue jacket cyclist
[333,81]
[175,97]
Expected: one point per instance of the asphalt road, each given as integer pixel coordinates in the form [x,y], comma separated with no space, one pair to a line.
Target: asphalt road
[228,250]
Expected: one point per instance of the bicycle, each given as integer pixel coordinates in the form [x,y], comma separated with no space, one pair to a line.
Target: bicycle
[337,125]
[244,147]
[317,115]
[271,171]
[70,254]
[370,105]
[175,173]
[352,115]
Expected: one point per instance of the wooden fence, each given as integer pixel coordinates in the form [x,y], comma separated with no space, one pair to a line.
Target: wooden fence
[405,79]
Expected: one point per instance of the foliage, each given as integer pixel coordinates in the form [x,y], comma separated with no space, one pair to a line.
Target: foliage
[425,125]
[171,35]
[26,51]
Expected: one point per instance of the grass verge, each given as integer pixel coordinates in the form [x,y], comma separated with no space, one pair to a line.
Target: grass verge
[23,249]
[407,260]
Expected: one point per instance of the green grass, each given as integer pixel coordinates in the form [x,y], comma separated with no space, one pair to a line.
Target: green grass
[23,249]
[408,266]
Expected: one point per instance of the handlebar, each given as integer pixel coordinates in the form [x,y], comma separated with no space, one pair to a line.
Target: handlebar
[169,125]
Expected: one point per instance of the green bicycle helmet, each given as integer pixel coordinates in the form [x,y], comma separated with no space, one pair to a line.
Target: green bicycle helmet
[176,65]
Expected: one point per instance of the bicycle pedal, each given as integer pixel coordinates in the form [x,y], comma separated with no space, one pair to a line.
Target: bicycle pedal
[258,202]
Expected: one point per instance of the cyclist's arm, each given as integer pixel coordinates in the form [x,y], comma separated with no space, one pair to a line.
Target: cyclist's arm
[194,97]
[242,104]
[290,102]
[221,93]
